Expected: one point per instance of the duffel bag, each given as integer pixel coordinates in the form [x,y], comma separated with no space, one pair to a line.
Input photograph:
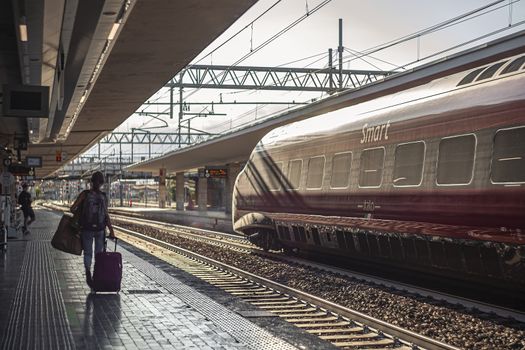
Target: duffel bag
[67,236]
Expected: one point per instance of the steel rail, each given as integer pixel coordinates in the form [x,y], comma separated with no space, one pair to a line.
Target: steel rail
[244,244]
[393,330]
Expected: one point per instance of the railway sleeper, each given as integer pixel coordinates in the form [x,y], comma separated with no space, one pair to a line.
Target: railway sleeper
[301,313]
[251,299]
[278,302]
[220,280]
[224,284]
[251,293]
[350,337]
[344,329]
[309,311]
[366,344]
[245,289]
[312,319]
[319,326]
[290,307]
[215,275]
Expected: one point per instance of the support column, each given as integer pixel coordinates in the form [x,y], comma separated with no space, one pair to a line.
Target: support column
[232,169]
[162,188]
[179,190]
[121,192]
[202,192]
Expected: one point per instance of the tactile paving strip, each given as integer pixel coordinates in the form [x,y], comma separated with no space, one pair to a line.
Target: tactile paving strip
[243,330]
[37,316]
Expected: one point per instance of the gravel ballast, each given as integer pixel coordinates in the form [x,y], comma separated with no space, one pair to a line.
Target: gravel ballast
[447,323]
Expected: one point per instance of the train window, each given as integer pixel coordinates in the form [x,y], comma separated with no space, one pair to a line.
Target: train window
[514,65]
[341,170]
[294,174]
[508,157]
[371,172]
[273,176]
[456,160]
[408,164]
[314,179]
[489,72]
[469,78]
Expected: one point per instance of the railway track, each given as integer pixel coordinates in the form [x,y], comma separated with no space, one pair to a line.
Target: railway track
[164,237]
[239,243]
[343,327]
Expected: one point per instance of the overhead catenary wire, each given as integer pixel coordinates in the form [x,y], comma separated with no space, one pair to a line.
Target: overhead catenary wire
[439,26]
[265,43]
[230,38]
[355,55]
[239,31]
[353,52]
[281,32]
[272,38]
[481,37]
[481,11]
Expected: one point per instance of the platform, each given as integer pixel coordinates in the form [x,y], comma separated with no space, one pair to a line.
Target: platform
[210,220]
[46,304]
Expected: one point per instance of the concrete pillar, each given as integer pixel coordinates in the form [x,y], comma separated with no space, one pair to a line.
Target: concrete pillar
[232,169]
[162,188]
[202,192]
[121,192]
[179,190]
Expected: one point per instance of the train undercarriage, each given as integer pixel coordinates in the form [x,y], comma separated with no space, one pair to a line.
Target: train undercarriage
[492,264]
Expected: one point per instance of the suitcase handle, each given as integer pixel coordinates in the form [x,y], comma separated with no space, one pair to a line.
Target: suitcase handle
[106,243]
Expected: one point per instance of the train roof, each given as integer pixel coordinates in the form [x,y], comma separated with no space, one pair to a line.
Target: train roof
[422,100]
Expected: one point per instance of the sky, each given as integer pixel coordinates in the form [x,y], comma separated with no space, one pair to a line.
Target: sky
[366,24]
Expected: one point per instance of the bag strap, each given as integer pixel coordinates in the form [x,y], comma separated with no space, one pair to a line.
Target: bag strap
[78,213]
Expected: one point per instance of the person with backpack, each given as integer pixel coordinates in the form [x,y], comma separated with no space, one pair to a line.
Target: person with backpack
[24,199]
[92,207]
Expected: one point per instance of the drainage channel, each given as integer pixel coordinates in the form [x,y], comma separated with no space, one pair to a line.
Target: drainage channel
[343,327]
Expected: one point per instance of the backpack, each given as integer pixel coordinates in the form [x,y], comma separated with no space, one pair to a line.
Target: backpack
[94,211]
[24,199]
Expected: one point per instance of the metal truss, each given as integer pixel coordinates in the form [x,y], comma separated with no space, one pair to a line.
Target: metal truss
[274,78]
[154,138]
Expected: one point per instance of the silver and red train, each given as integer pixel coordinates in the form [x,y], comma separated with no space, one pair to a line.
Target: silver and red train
[431,178]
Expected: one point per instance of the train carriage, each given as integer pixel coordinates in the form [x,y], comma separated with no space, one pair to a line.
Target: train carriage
[431,178]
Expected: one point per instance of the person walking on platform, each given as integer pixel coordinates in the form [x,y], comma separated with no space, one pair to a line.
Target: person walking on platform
[24,199]
[94,217]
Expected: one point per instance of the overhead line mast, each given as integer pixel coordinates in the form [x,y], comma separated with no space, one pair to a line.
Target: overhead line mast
[340,50]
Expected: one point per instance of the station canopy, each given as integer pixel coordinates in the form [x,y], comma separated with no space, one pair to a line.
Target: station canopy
[100,60]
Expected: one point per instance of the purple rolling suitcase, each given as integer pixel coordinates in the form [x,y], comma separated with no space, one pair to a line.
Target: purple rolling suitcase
[108,271]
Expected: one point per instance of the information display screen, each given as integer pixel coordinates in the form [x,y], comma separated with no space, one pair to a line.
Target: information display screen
[34,162]
[216,172]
